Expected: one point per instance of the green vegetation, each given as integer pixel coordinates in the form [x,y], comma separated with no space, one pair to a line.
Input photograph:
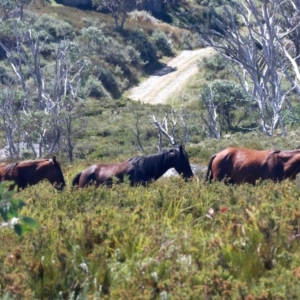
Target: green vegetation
[159,241]
[171,240]
[9,211]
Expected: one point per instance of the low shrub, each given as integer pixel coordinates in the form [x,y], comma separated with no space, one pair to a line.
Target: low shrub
[162,42]
[171,239]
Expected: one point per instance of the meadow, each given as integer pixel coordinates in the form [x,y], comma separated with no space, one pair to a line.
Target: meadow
[170,240]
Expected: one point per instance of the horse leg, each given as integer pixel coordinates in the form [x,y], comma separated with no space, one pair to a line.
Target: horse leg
[222,175]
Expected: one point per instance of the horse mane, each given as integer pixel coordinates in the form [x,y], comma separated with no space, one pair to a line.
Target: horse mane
[9,168]
[151,163]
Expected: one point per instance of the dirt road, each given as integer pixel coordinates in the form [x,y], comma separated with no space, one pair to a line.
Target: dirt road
[169,80]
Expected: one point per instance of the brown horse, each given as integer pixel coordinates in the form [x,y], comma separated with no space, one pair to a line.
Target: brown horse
[30,172]
[139,169]
[239,165]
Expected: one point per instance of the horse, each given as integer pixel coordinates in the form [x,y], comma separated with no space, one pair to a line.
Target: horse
[140,169]
[30,172]
[241,165]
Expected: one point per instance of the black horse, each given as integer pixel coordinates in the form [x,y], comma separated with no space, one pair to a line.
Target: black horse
[140,169]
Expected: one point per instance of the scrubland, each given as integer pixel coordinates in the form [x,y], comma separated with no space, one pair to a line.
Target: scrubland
[170,240]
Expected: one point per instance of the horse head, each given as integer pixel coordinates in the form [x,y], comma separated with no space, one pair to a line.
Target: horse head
[55,175]
[181,162]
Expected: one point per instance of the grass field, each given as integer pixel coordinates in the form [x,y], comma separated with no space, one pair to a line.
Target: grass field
[170,240]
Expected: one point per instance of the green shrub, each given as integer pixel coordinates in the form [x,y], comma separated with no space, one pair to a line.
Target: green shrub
[109,81]
[53,28]
[187,41]
[139,40]
[162,42]
[95,89]
[215,63]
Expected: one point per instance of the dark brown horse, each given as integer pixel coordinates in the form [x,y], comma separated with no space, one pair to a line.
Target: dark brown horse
[30,172]
[139,169]
[239,165]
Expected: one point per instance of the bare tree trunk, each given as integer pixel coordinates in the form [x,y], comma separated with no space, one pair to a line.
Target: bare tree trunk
[207,98]
[136,131]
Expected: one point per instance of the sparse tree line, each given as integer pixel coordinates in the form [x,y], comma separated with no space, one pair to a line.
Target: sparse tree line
[43,104]
[39,104]
[47,73]
[261,42]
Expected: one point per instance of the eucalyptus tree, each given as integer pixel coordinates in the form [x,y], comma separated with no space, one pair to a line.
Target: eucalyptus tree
[227,106]
[118,8]
[50,96]
[260,41]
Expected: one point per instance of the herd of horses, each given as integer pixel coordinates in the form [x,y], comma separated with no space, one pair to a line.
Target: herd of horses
[232,165]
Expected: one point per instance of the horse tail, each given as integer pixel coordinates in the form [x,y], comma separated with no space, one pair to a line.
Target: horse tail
[75,180]
[209,174]
[91,178]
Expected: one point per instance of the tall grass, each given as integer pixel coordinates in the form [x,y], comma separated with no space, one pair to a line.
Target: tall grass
[163,241]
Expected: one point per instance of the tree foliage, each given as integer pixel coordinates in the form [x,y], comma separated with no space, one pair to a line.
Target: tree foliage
[12,7]
[227,105]
[118,8]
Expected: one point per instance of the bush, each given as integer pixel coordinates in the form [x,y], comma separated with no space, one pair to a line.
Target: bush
[187,41]
[139,40]
[142,16]
[94,88]
[10,206]
[162,42]
[53,28]
[109,81]
[215,67]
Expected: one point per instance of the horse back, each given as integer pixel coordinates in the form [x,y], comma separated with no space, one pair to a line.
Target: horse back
[104,173]
[241,165]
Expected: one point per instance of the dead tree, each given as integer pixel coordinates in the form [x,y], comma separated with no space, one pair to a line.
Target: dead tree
[162,127]
[257,55]
[49,106]
[136,130]
[211,123]
[10,119]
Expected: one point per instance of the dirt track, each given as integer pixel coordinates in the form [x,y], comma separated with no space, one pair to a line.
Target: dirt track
[169,80]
